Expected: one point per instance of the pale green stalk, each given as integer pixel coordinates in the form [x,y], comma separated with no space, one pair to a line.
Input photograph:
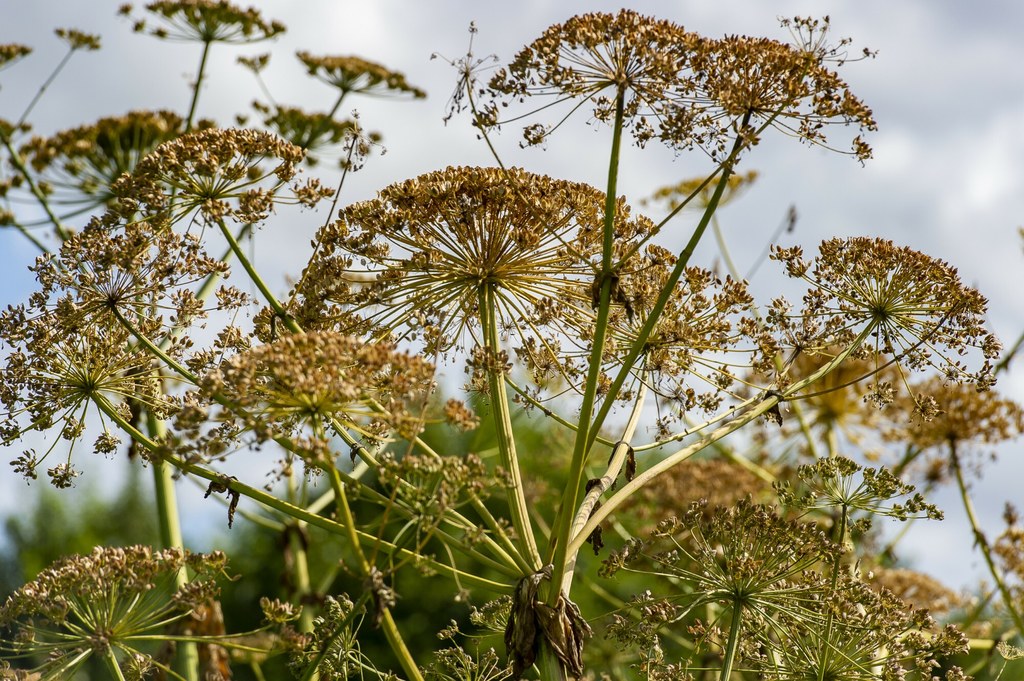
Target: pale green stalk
[300,564]
[982,542]
[733,643]
[257,280]
[391,632]
[618,458]
[755,407]
[840,539]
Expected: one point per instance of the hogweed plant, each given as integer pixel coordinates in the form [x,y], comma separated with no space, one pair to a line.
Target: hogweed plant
[603,370]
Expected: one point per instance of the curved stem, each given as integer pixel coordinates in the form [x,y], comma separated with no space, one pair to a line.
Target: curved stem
[755,407]
[270,501]
[982,542]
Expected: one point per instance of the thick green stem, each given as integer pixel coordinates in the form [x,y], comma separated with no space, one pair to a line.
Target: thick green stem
[502,417]
[586,430]
[300,564]
[733,644]
[170,532]
[257,280]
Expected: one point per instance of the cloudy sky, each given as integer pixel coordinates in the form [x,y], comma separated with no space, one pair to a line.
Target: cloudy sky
[946,88]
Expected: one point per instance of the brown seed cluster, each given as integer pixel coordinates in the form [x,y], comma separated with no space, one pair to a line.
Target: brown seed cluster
[78,40]
[222,173]
[207,21]
[114,599]
[418,262]
[77,166]
[355,74]
[12,52]
[302,384]
[681,88]
[319,134]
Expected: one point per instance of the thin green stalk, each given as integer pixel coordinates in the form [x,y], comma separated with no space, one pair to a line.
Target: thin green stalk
[391,632]
[195,89]
[501,415]
[112,665]
[733,644]
[23,230]
[44,87]
[548,413]
[397,644]
[639,344]
[982,542]
[271,299]
[494,526]
[558,545]
[840,538]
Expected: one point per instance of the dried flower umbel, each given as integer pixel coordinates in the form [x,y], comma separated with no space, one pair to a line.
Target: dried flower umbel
[596,58]
[685,90]
[58,378]
[113,604]
[77,166]
[222,174]
[351,74]
[427,258]
[853,633]
[12,52]
[897,302]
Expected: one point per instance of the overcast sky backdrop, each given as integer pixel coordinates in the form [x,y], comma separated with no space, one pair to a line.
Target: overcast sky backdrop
[946,88]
